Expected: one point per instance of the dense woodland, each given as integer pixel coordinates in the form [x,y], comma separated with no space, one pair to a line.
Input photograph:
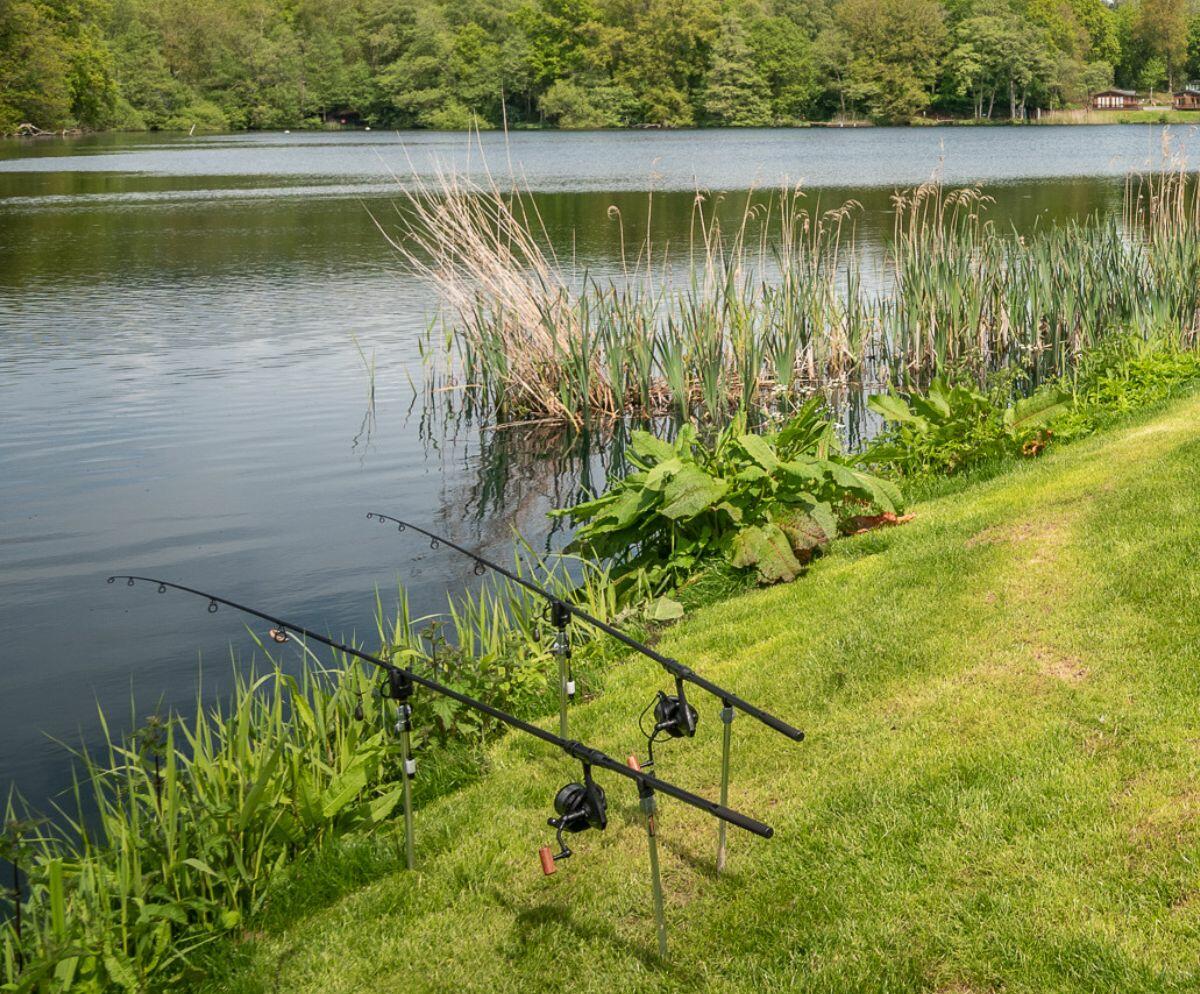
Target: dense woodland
[221,64]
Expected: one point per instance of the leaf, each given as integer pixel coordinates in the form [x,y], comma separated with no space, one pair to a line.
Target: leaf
[650,449]
[383,806]
[807,533]
[657,478]
[892,408]
[804,472]
[258,791]
[767,549]
[690,492]
[751,474]
[344,789]
[759,449]
[120,970]
[1035,411]
[664,609]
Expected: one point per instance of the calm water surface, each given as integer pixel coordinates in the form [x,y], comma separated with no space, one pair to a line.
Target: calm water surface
[181,393]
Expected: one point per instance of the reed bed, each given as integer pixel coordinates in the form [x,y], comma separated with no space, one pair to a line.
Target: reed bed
[760,313]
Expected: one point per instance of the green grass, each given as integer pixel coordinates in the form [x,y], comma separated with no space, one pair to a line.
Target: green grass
[1083,116]
[1000,789]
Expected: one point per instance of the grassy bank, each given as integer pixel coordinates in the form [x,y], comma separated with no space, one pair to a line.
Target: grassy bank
[1084,116]
[998,792]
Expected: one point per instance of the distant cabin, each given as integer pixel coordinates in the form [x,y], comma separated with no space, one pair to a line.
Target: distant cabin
[1116,100]
[1188,98]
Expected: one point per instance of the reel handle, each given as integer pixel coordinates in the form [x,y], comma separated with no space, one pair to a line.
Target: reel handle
[546,855]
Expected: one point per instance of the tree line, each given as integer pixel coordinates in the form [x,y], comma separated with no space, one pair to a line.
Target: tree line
[231,64]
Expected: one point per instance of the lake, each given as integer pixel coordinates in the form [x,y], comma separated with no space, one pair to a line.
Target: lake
[185,331]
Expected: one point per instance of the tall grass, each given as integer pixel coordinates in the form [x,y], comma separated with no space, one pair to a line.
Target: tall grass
[783,302]
[172,834]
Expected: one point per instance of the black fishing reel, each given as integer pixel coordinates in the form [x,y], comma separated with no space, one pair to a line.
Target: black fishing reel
[674,717]
[579,806]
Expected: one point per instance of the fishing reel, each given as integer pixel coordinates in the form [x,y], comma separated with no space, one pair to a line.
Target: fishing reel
[674,717]
[579,806]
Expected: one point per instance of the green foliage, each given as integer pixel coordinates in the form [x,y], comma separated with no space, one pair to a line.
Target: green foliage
[736,95]
[766,502]
[575,63]
[950,428]
[1124,376]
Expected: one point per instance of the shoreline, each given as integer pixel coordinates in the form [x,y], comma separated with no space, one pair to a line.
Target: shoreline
[1058,118]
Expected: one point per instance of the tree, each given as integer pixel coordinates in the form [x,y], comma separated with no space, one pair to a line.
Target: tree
[736,94]
[1161,28]
[783,54]
[896,46]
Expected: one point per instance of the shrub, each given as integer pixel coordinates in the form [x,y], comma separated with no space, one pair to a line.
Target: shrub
[950,428]
[765,502]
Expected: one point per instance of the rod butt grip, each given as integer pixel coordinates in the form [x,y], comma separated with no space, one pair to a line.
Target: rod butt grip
[546,855]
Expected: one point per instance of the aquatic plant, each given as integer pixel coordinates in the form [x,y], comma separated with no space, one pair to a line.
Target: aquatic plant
[759,313]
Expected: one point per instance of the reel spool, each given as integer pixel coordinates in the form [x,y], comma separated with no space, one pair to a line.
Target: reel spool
[579,806]
[674,717]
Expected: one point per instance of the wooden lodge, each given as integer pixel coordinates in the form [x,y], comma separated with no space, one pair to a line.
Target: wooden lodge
[1188,98]
[1116,100]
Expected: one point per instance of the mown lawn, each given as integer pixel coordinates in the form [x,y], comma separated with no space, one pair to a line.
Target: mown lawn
[1000,789]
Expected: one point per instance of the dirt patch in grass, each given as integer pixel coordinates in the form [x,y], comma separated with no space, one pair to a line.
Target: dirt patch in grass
[1058,665]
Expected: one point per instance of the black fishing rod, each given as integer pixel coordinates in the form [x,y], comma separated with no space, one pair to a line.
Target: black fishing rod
[673,715]
[399,687]
[672,666]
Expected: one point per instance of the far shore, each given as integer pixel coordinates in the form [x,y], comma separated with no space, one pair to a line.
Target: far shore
[1078,116]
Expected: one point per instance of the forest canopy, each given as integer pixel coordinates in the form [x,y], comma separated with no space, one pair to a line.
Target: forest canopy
[232,64]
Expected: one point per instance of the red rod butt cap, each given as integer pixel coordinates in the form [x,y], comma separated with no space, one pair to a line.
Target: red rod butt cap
[546,855]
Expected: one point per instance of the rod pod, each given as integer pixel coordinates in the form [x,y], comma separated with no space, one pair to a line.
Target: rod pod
[649,811]
[673,714]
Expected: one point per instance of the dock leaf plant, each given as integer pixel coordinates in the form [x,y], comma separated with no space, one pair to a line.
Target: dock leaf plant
[764,502]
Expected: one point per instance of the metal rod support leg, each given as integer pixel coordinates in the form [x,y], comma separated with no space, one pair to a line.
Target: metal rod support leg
[727,721]
[409,768]
[648,805]
[562,695]
[660,920]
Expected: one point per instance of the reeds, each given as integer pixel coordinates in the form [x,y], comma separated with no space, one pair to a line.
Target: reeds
[760,313]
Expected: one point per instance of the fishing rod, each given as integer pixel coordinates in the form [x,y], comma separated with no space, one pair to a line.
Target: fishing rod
[579,806]
[674,716]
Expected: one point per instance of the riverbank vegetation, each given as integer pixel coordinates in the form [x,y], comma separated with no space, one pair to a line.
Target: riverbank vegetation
[195,847]
[997,789]
[758,314]
[218,65]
